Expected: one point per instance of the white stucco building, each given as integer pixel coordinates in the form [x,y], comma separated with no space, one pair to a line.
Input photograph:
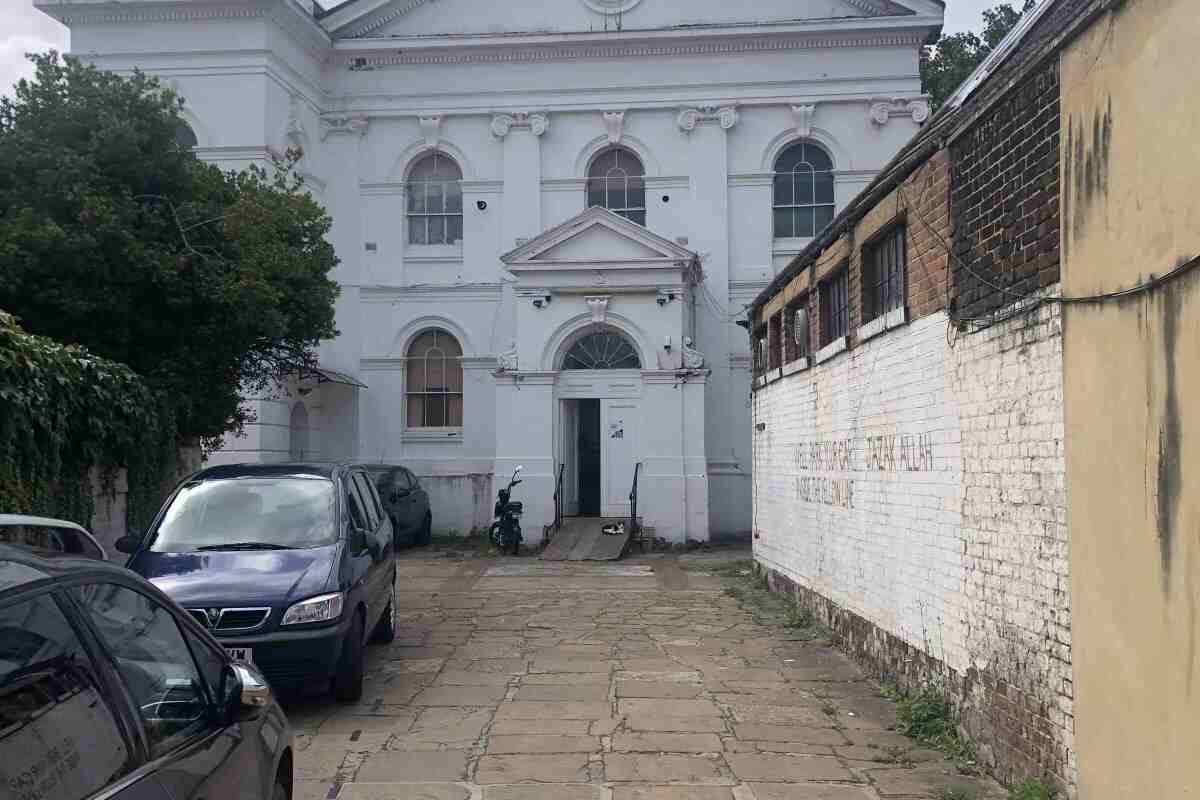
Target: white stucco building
[537,206]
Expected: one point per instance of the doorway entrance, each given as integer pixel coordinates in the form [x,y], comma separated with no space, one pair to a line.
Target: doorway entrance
[588,447]
[599,444]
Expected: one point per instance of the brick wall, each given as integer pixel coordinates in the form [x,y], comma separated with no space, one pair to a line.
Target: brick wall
[1004,197]
[921,203]
[911,492]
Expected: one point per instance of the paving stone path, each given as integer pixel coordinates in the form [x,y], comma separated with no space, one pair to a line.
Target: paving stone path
[521,680]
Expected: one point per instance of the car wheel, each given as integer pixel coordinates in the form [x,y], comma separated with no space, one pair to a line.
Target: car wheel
[348,682]
[426,529]
[280,793]
[385,629]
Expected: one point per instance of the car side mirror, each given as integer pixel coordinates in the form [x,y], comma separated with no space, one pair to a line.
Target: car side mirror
[244,692]
[128,544]
[400,494]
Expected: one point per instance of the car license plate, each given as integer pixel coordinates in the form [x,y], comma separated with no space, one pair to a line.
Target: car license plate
[241,654]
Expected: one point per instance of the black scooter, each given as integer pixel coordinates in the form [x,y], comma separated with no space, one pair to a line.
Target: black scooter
[506,529]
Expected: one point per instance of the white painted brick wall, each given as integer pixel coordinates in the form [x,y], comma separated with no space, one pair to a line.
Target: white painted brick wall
[964,557]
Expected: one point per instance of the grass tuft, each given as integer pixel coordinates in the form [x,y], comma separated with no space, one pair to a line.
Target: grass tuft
[1032,789]
[928,718]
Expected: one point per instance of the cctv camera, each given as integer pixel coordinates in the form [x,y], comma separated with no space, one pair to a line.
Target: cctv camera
[537,303]
[481,205]
[661,300]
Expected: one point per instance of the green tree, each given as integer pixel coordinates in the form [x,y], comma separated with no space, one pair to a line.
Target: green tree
[945,65]
[114,236]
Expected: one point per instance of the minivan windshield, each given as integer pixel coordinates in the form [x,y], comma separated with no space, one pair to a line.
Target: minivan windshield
[248,514]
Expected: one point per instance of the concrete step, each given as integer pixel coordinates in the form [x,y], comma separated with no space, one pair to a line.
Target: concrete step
[583,539]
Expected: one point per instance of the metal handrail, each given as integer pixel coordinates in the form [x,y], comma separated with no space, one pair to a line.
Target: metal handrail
[635,532]
[558,504]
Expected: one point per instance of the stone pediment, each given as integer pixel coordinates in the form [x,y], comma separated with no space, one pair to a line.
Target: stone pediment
[406,18]
[598,239]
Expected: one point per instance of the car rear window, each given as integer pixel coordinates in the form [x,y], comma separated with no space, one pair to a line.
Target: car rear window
[50,539]
[248,513]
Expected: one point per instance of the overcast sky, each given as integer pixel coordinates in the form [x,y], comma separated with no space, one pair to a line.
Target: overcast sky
[23,29]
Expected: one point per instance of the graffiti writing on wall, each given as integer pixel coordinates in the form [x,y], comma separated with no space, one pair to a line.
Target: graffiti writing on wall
[885,453]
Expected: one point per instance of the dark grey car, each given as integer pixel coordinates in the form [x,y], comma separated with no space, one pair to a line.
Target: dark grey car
[108,689]
[405,501]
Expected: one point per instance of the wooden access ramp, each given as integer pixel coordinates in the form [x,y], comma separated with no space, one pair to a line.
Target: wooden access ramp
[583,539]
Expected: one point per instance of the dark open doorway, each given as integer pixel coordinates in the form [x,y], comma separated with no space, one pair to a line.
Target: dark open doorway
[589,458]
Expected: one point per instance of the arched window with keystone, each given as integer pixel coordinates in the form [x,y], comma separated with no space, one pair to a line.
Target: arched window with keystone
[803,191]
[435,201]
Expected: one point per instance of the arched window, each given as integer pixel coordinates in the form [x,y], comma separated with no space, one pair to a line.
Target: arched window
[605,349]
[435,201]
[803,191]
[184,135]
[298,428]
[435,381]
[617,181]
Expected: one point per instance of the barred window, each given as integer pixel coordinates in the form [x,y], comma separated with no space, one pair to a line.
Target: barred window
[435,381]
[616,181]
[835,306]
[883,274]
[760,350]
[775,342]
[795,333]
[435,201]
[803,191]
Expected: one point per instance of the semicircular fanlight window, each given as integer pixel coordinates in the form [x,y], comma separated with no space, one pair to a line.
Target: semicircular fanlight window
[602,350]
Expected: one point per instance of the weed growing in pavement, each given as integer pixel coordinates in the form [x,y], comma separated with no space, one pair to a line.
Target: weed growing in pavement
[956,793]
[741,568]
[749,587]
[928,718]
[829,710]
[1032,789]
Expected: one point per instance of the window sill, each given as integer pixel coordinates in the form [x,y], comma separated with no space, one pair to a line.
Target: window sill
[830,350]
[432,435]
[788,246]
[433,253]
[799,365]
[892,319]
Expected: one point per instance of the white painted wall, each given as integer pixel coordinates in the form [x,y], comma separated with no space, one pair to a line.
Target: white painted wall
[957,545]
[247,73]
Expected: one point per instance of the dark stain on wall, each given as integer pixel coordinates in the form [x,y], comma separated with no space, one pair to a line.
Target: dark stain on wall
[1085,169]
[1170,434]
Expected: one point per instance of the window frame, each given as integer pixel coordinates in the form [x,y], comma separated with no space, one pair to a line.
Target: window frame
[793,207]
[630,212]
[759,354]
[885,272]
[449,362]
[793,350]
[413,217]
[775,342]
[833,288]
[184,623]
[108,683]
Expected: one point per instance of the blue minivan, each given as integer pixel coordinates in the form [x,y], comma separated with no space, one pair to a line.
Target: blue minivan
[289,566]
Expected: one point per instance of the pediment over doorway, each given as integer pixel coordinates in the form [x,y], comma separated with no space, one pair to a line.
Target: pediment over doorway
[598,239]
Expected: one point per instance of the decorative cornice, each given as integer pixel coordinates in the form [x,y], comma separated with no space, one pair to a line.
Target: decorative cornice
[107,15]
[343,124]
[494,54]
[537,123]
[614,125]
[882,110]
[423,293]
[688,118]
[398,11]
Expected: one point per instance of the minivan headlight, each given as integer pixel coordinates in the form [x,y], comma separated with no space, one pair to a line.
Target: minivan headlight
[321,608]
